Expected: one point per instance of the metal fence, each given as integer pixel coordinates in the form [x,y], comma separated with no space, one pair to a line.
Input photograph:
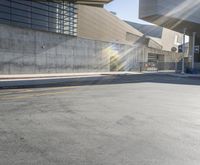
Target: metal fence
[158,66]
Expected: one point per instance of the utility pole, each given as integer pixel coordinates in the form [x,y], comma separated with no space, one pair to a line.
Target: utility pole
[184,51]
[193,48]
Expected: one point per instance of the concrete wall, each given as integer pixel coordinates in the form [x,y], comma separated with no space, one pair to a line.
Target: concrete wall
[165,39]
[29,51]
[171,39]
[168,40]
[100,24]
[153,44]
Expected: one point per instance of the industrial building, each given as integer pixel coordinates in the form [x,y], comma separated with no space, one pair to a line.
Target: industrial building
[179,15]
[73,36]
[166,38]
[106,26]
[41,37]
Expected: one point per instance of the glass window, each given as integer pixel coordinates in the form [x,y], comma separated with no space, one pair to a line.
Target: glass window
[50,16]
[5,2]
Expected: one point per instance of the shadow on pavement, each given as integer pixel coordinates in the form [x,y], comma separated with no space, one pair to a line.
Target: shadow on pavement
[141,78]
[121,79]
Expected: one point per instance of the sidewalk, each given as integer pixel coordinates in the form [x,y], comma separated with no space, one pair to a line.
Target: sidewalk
[185,75]
[45,80]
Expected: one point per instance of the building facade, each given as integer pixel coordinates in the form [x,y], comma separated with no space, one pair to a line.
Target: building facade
[99,24]
[166,38]
[70,36]
[106,26]
[41,37]
[178,15]
[59,17]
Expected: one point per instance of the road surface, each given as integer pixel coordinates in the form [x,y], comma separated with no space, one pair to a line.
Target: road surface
[125,120]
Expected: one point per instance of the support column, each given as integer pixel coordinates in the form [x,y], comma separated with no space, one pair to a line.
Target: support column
[184,50]
[193,47]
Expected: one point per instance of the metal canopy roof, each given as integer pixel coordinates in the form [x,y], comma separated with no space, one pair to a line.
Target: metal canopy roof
[86,2]
[92,2]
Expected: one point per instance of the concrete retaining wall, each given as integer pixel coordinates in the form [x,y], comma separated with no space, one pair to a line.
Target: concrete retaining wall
[29,51]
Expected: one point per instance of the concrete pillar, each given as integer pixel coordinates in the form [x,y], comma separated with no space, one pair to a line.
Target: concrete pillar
[193,46]
[184,51]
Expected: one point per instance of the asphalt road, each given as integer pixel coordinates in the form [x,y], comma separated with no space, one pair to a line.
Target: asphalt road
[124,120]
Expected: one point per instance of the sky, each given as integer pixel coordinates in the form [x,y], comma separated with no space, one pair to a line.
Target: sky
[126,9]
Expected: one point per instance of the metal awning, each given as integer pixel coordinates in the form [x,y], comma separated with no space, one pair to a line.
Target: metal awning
[85,2]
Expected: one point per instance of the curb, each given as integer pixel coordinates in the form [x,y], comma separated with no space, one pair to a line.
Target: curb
[180,75]
[50,82]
